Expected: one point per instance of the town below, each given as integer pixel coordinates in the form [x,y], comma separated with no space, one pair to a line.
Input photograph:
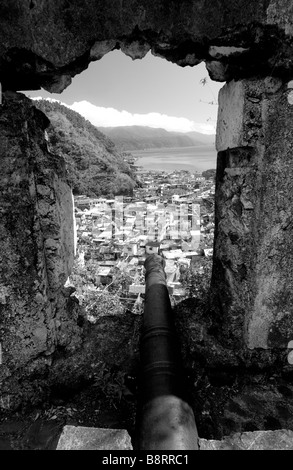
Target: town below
[170,213]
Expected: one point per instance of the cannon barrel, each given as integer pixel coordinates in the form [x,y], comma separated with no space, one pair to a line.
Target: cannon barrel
[165,420]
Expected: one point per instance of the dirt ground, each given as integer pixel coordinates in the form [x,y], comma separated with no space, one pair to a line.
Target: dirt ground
[40,428]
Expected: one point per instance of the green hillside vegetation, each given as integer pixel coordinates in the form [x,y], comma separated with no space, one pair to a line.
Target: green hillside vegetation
[209,174]
[95,166]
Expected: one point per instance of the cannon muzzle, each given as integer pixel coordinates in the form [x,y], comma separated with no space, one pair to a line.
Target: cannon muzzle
[165,420]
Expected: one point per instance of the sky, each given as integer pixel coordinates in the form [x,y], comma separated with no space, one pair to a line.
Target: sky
[119,91]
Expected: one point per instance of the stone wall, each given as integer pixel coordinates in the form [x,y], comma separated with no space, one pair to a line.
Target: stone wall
[247,43]
[253,271]
[46,43]
[36,239]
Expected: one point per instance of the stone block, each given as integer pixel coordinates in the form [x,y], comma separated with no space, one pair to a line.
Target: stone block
[83,438]
[230,116]
[257,440]
[241,113]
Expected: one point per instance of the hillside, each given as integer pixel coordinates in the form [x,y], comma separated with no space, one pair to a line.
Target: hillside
[129,138]
[204,139]
[95,166]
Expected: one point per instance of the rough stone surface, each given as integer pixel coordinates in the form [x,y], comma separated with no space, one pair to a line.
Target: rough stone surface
[78,438]
[82,438]
[253,261]
[47,43]
[258,440]
[110,347]
[232,389]
[36,240]
[230,122]
[43,344]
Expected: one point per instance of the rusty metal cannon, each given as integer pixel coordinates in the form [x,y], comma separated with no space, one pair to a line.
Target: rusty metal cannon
[165,420]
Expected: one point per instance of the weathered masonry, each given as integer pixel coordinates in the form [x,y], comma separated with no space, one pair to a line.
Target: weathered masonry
[248,44]
[254,197]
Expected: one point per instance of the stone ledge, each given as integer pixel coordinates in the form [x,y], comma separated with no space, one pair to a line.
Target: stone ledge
[257,440]
[82,438]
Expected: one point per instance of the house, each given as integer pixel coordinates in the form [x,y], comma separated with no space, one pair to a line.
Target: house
[109,256]
[176,289]
[165,244]
[131,249]
[107,263]
[136,289]
[195,239]
[184,262]
[141,260]
[171,271]
[86,236]
[174,254]
[193,254]
[152,248]
[208,252]
[103,275]
[117,254]
[134,248]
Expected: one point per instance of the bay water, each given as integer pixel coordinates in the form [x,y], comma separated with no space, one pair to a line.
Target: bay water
[194,159]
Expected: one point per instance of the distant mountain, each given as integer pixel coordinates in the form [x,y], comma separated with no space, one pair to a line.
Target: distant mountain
[205,139]
[95,166]
[129,138]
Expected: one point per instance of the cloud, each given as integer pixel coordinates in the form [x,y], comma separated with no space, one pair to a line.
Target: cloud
[52,100]
[110,117]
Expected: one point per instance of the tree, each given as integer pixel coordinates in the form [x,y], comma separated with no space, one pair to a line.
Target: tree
[94,165]
[197,279]
[98,300]
[208,174]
